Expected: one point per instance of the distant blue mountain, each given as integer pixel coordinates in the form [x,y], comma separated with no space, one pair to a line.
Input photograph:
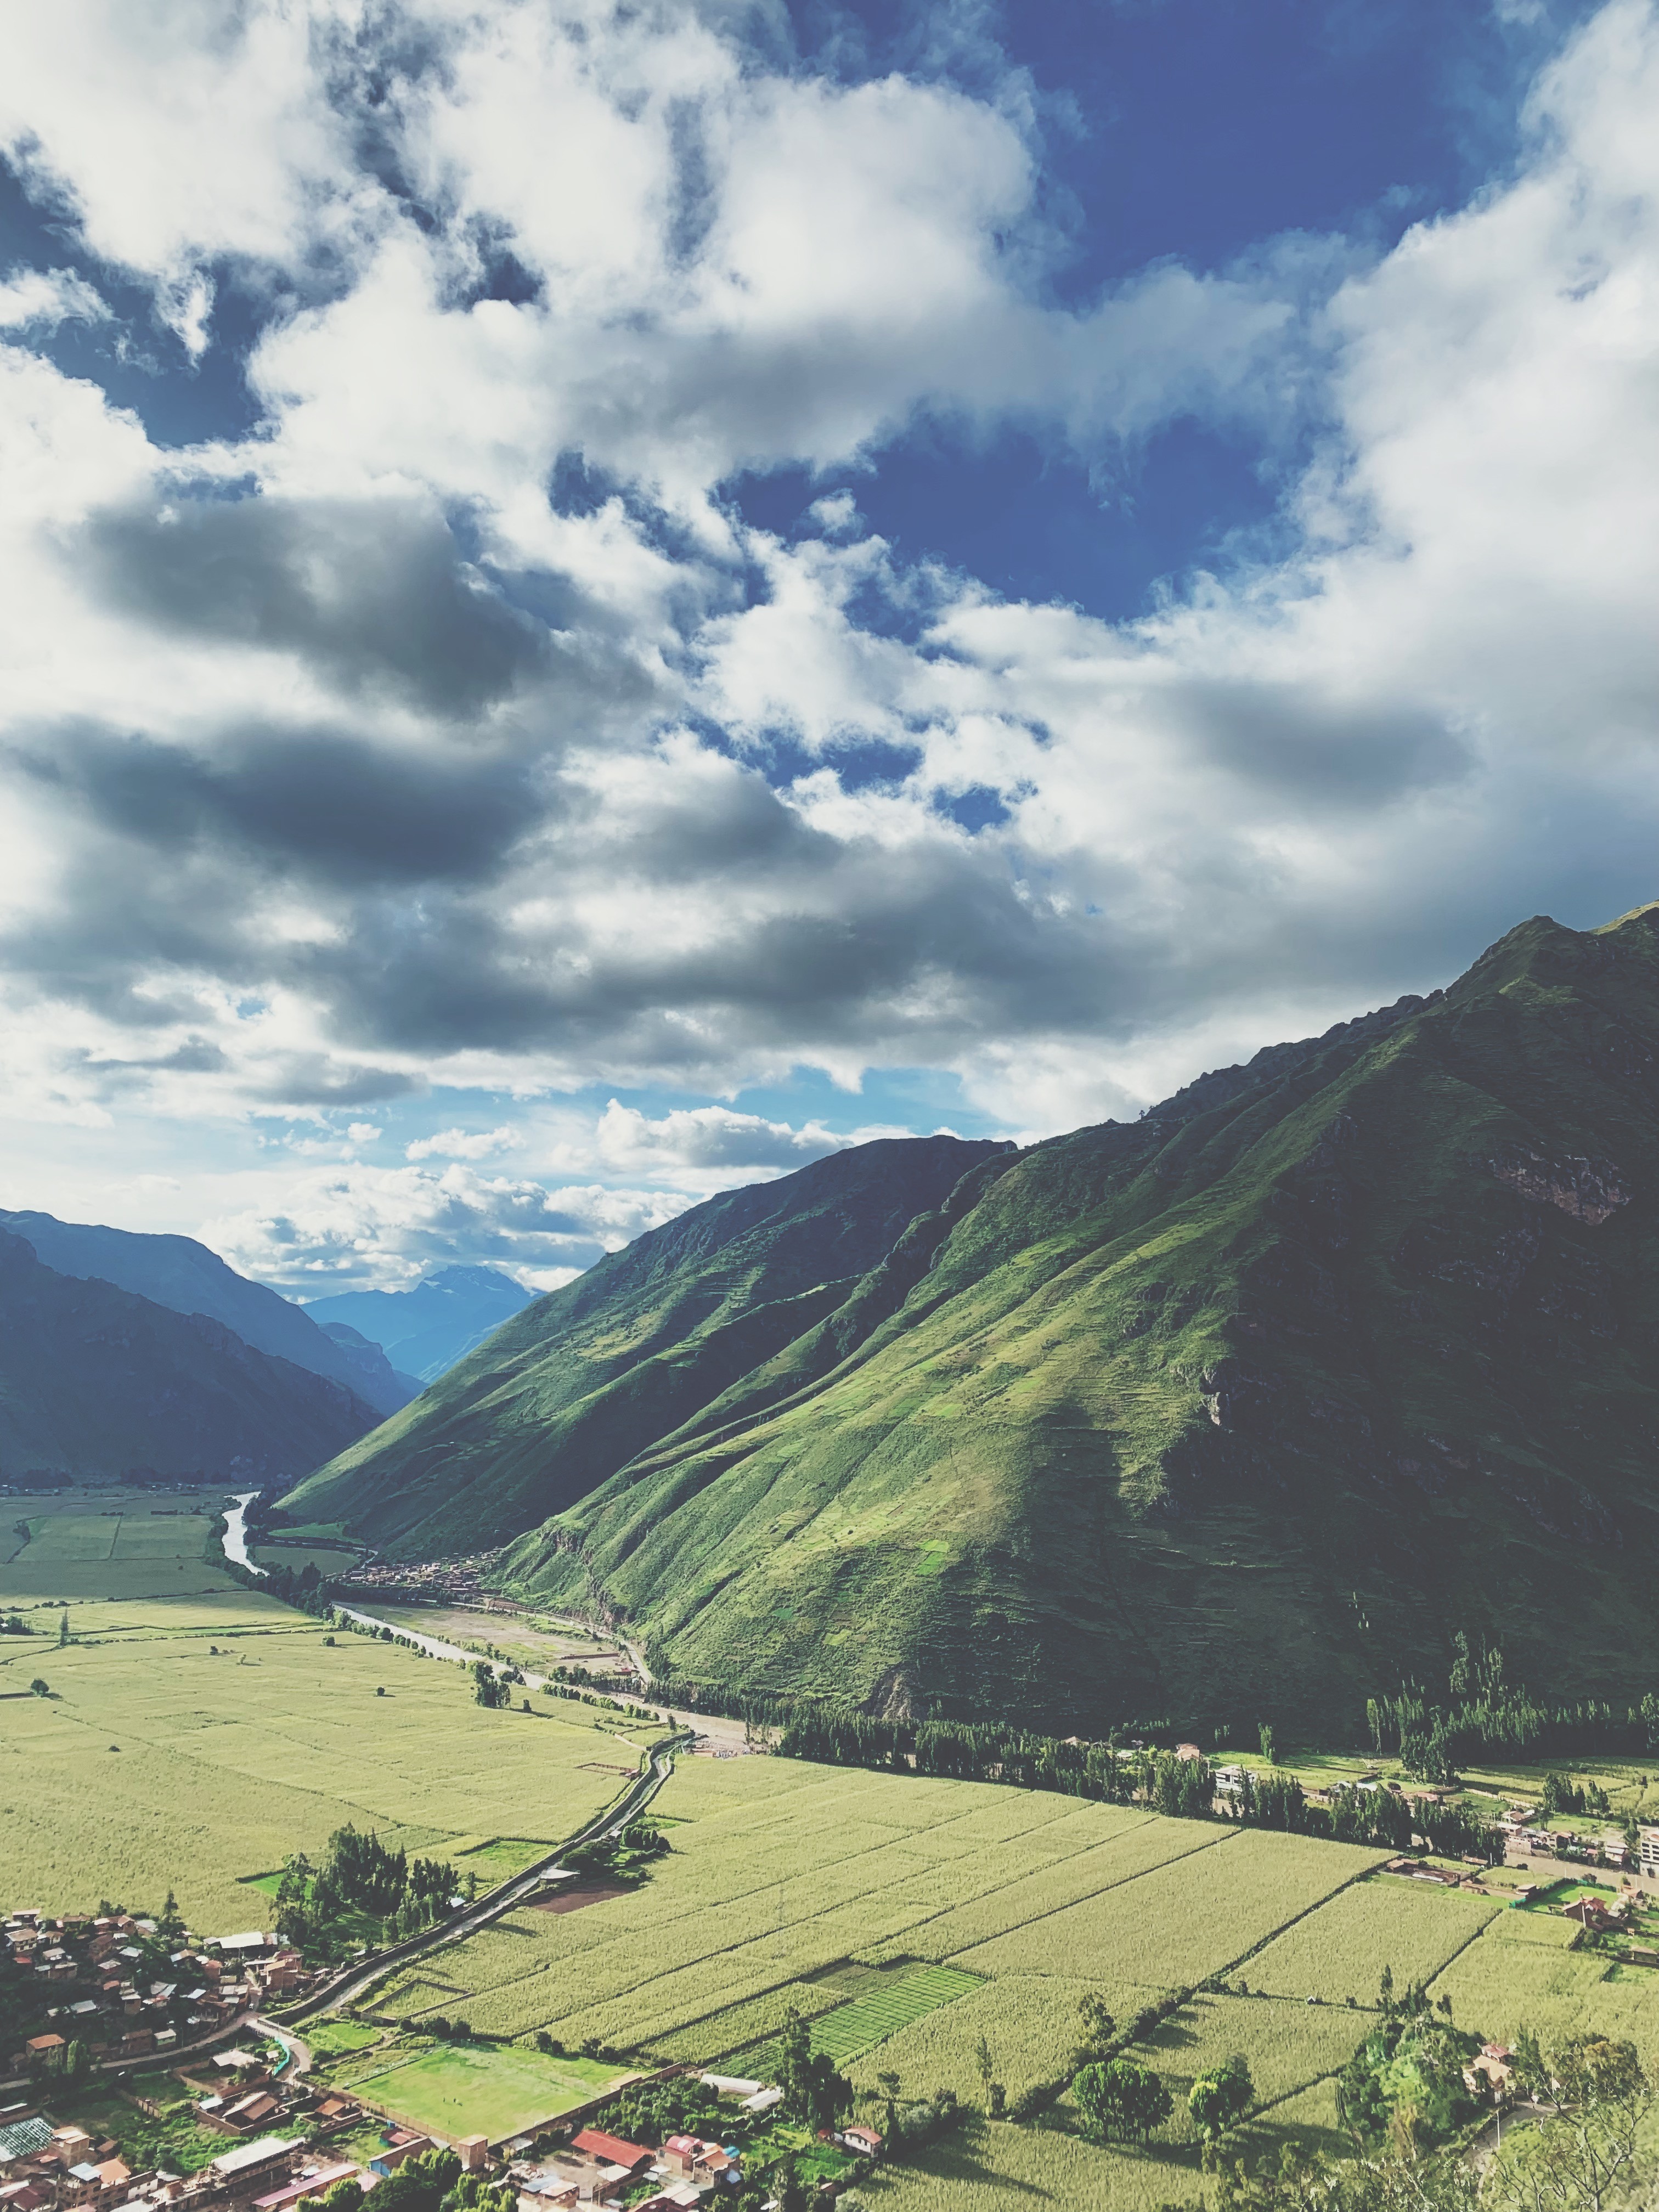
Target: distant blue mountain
[424,1331]
[178,1273]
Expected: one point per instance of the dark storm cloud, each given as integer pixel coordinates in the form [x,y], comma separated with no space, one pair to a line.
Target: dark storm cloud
[326,806]
[1319,754]
[858,942]
[374,593]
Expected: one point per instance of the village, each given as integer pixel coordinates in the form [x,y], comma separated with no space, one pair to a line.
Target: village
[161,2045]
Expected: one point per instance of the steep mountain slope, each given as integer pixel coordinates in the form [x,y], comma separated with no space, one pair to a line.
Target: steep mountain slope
[423,1332]
[1236,1411]
[376,1379]
[574,1385]
[178,1273]
[94,1380]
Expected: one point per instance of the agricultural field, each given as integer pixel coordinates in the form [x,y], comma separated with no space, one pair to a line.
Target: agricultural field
[1519,1973]
[197,1743]
[1408,1927]
[458,2089]
[109,1543]
[780,1871]
[851,1896]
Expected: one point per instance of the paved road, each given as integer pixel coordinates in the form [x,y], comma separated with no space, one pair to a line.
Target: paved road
[150,2060]
[354,1982]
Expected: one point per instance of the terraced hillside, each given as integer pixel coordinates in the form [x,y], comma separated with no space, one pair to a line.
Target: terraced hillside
[1234,1412]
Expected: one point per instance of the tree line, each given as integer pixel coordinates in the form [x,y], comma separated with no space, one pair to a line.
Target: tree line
[1480,1715]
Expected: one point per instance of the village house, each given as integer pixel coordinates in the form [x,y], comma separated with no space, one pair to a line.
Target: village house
[865,2140]
[695,2160]
[241,2172]
[1489,2074]
[404,2145]
[309,2181]
[611,2150]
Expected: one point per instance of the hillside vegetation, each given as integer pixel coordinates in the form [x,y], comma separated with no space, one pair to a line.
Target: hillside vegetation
[572,1388]
[1239,1410]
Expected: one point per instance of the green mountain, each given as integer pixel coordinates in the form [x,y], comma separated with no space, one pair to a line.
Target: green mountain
[178,1273]
[96,1381]
[1238,1411]
[573,1386]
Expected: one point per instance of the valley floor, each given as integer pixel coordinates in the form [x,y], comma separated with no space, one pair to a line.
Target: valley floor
[196,1741]
[196,1734]
[910,1919]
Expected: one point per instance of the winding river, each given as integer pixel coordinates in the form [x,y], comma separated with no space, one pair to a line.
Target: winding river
[236,1533]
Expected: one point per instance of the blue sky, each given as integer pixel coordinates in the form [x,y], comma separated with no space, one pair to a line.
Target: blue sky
[610,597]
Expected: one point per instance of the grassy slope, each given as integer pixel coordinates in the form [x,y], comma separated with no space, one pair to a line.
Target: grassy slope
[1238,1409]
[581,1380]
[96,1381]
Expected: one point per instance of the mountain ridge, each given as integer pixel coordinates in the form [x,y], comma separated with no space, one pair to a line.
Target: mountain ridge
[425,1330]
[96,1381]
[1235,1411]
[188,1276]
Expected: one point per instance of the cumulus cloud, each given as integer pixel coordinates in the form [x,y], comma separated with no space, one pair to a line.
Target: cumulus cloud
[463,1143]
[336,1229]
[450,727]
[708,1137]
[43,297]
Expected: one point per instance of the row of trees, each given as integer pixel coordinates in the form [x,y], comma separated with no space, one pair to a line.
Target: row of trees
[1184,1787]
[1482,1716]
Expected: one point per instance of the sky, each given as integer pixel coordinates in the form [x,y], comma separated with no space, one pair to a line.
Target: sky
[601,599]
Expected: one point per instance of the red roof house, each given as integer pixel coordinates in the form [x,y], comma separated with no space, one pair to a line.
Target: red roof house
[612,2150]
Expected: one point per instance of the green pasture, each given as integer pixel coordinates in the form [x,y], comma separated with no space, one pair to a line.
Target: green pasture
[465,2089]
[333,2039]
[110,1543]
[500,1857]
[888,2001]
[159,1760]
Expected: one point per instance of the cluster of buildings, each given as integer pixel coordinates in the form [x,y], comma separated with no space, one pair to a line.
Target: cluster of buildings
[425,1582]
[687,2171]
[1526,1839]
[116,1985]
[46,2168]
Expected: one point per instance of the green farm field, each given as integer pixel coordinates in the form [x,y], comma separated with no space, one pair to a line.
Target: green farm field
[107,1543]
[158,1761]
[461,2090]
[850,1896]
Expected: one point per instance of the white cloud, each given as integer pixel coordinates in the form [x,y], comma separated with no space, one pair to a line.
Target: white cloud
[463,1143]
[338,1229]
[395,775]
[48,297]
[701,1137]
